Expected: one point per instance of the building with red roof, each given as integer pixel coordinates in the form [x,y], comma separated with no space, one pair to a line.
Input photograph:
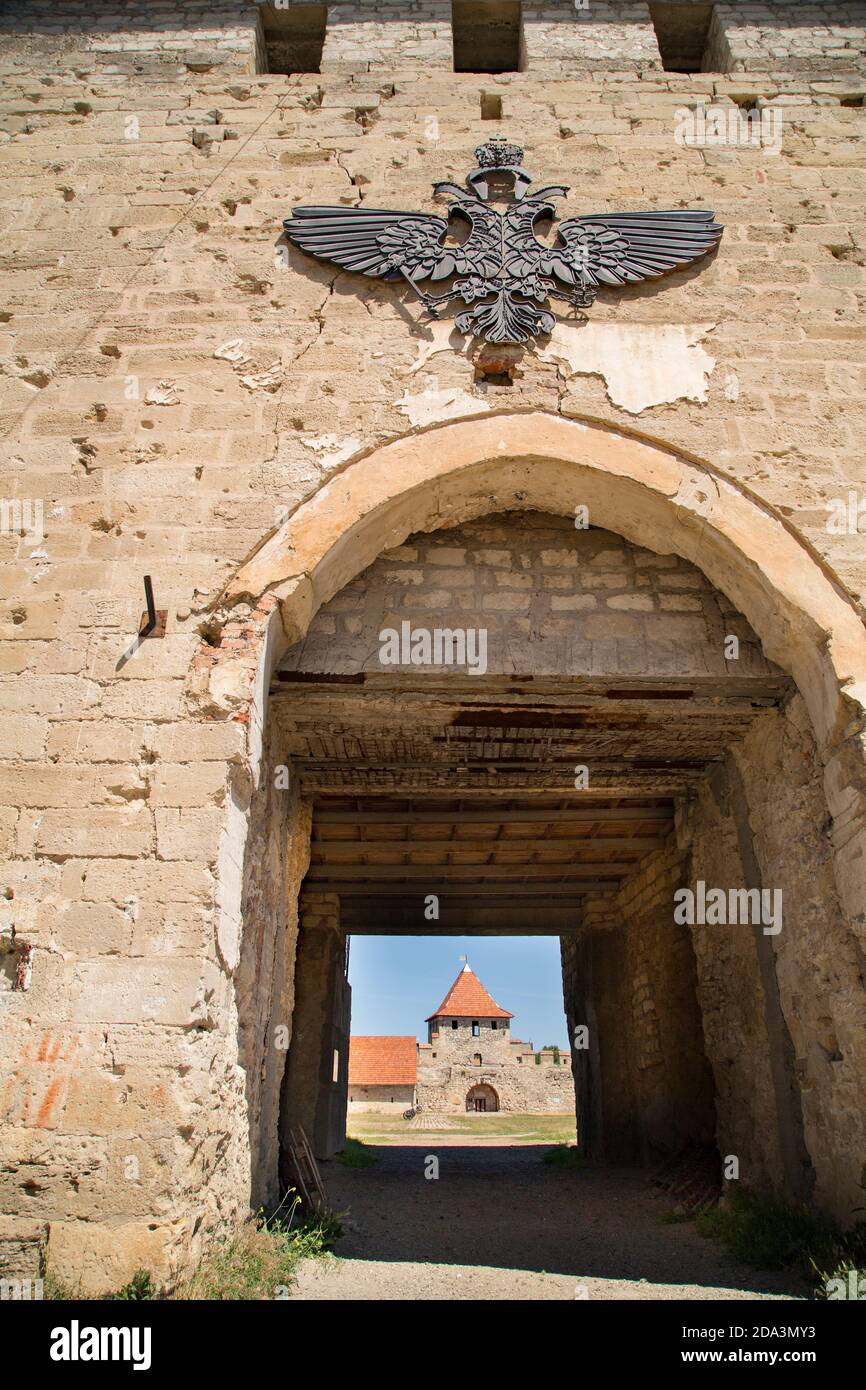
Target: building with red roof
[467,998]
[469,1062]
[382,1072]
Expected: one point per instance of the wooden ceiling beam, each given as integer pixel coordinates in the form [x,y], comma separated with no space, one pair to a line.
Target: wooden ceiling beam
[630,844]
[497,816]
[469,893]
[456,873]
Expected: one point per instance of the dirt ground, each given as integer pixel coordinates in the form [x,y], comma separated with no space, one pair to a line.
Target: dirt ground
[498,1223]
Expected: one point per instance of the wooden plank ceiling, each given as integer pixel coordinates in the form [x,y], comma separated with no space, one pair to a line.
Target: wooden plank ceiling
[382,853]
[469,794]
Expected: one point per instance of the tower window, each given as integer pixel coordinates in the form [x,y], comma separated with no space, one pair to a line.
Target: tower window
[454,1023]
[294,37]
[488,35]
[476,1030]
[681,32]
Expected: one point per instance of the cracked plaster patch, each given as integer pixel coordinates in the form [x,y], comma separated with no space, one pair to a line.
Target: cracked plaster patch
[432,405]
[332,450]
[643,364]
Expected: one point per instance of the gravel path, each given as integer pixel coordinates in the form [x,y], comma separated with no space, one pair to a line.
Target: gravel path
[500,1224]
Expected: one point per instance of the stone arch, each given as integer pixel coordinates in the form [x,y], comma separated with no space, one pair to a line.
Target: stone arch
[653,495]
[482,1096]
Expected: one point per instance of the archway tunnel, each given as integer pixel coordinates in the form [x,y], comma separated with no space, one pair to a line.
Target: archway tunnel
[545,728]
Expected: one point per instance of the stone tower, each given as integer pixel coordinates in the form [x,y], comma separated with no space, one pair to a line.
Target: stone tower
[472,1062]
[468,1013]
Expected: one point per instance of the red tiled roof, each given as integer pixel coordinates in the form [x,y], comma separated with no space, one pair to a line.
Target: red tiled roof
[382,1061]
[467,998]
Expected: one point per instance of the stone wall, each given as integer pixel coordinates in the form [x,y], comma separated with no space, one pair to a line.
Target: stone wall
[382,36]
[763,36]
[316,1081]
[175,383]
[643,1084]
[551,599]
[777,1017]
[767,807]
[609,36]
[378,38]
[132,36]
[381,1099]
[447,1070]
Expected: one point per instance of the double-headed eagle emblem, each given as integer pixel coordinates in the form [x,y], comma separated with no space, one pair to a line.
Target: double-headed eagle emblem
[501,271]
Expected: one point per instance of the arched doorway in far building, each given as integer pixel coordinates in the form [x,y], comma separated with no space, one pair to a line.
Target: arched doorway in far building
[482,1098]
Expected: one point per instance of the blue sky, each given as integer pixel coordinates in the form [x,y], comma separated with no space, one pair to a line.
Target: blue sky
[398,980]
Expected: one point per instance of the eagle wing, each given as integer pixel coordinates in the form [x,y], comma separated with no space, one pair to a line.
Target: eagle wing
[374,241]
[621,248]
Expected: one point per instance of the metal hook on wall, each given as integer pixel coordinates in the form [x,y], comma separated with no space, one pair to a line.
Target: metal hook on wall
[153,621]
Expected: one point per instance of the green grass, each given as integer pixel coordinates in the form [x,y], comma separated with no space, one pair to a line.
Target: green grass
[767,1233]
[464,1127]
[139,1287]
[564,1156]
[677,1217]
[260,1261]
[354,1154]
[257,1262]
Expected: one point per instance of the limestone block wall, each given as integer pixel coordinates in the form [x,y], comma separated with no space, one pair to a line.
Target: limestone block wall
[609,36]
[257,937]
[762,36]
[381,1099]
[643,1083]
[173,384]
[443,1084]
[447,1069]
[132,35]
[808,983]
[780,1015]
[315,1083]
[376,38]
[459,1044]
[381,36]
[551,600]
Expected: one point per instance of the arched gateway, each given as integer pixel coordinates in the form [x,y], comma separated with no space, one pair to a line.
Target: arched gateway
[701,777]
[482,1099]
[809,629]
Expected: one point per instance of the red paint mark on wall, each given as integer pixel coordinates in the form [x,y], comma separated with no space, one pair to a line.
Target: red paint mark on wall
[8,1094]
[50,1049]
[51,1095]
